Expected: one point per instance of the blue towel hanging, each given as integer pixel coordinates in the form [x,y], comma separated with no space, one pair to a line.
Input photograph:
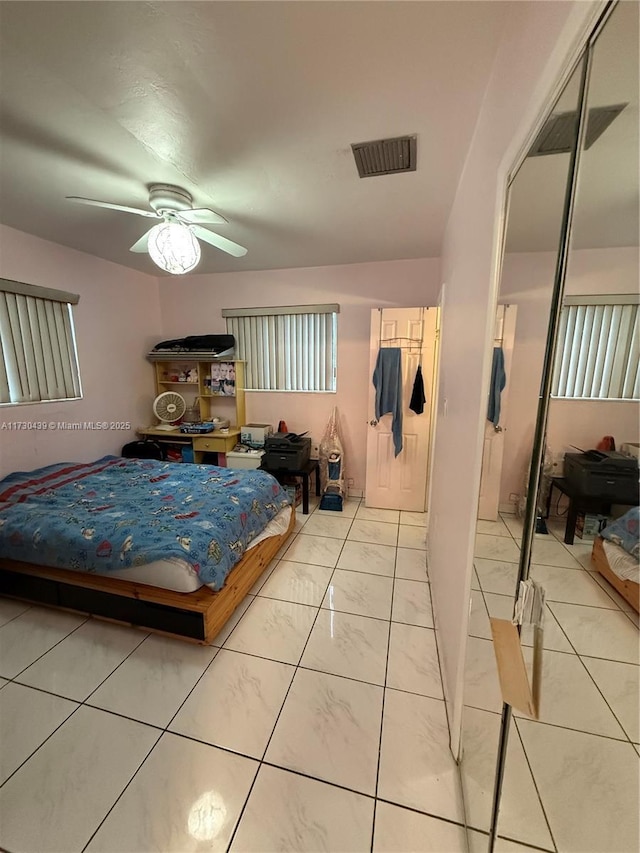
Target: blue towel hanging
[498,381]
[387,380]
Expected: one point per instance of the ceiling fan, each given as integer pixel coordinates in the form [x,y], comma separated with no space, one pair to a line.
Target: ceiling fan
[172,243]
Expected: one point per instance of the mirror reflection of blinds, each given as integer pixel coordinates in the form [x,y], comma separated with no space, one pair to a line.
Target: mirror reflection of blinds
[287,352]
[598,352]
[38,358]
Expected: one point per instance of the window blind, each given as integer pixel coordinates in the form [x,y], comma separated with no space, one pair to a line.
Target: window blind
[293,351]
[598,352]
[38,358]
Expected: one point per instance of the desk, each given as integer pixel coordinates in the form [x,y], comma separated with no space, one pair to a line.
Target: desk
[207,442]
[309,468]
[579,502]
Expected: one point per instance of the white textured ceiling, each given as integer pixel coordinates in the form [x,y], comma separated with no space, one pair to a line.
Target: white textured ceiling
[251,106]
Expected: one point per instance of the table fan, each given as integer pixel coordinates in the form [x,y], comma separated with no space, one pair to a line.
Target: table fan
[169,407]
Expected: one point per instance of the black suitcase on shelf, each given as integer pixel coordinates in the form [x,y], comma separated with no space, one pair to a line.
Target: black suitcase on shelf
[146,449]
[215,344]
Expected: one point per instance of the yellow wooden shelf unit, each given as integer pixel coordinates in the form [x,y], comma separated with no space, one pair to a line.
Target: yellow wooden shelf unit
[194,379]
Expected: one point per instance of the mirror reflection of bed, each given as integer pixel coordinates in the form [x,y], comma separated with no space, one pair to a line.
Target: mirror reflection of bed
[588,727]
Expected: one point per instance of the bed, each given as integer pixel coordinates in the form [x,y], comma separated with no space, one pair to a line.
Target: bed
[169,547]
[616,555]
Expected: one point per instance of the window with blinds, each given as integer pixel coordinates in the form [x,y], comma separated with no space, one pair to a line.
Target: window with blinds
[598,349]
[38,359]
[292,348]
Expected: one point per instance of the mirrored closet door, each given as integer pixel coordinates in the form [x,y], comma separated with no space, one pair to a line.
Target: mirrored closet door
[570,780]
[532,239]
[582,753]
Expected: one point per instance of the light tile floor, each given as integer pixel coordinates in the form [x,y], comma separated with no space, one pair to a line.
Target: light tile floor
[315,722]
[571,782]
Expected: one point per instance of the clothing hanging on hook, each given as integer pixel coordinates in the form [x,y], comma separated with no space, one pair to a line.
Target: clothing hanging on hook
[497,385]
[418,398]
[387,380]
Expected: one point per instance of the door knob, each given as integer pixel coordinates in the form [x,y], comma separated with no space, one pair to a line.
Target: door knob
[373,423]
[498,428]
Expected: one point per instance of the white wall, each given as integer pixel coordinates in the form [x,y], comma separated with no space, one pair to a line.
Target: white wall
[527,281]
[116,321]
[531,57]
[192,305]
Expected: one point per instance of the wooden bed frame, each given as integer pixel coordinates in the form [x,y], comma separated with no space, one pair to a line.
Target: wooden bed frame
[629,590]
[196,616]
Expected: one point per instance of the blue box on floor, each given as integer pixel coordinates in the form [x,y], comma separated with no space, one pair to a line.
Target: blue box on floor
[333,502]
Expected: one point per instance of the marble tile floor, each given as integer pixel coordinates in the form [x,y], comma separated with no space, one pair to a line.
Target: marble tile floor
[572,778]
[315,722]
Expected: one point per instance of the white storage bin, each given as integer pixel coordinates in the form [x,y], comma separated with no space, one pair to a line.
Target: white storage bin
[252,459]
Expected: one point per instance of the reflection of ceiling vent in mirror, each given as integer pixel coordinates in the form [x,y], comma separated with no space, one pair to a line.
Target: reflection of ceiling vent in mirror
[558,132]
[385,156]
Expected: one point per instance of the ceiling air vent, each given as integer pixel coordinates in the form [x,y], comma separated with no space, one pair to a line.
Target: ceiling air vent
[385,156]
[558,132]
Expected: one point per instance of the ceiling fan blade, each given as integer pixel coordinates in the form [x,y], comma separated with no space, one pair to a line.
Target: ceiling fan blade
[107,204]
[142,244]
[201,215]
[219,242]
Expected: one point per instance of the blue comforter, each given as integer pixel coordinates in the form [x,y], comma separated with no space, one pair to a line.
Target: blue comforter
[625,532]
[115,513]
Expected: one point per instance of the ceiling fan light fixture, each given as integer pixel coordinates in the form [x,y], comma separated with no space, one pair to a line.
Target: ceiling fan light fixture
[174,248]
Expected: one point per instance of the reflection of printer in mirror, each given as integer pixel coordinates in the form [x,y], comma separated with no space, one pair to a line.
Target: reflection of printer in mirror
[608,475]
[286,451]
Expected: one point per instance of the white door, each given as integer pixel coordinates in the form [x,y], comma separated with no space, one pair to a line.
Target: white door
[400,482]
[504,334]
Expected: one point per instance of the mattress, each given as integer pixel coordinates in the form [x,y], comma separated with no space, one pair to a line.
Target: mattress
[622,564]
[178,575]
[116,515]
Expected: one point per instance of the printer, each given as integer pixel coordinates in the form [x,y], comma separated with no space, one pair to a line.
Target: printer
[286,451]
[608,475]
